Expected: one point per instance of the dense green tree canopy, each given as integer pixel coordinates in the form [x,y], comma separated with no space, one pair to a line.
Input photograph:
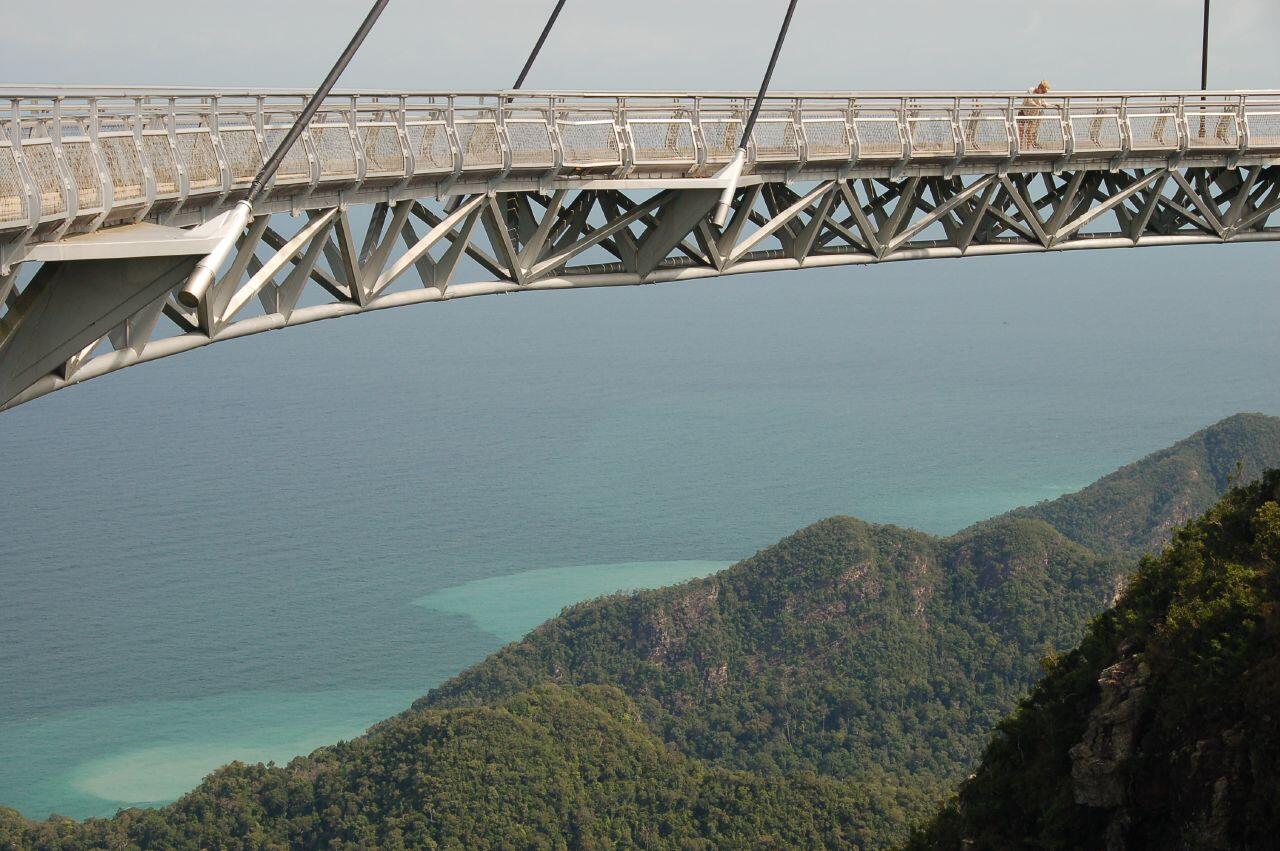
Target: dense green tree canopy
[552,767]
[1159,730]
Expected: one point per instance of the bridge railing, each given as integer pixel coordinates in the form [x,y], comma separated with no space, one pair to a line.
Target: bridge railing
[75,160]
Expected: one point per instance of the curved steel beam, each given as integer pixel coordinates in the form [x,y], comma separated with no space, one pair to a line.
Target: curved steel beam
[530,241]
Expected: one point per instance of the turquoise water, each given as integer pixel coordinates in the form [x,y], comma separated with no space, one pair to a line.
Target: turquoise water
[93,761]
[150,752]
[250,550]
[508,607]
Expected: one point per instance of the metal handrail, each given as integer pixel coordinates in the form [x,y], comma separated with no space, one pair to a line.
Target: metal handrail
[1057,125]
[38,89]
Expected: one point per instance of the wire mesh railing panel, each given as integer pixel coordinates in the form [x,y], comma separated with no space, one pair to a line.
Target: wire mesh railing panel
[85,174]
[42,162]
[334,150]
[825,138]
[200,160]
[775,139]
[661,141]
[1153,132]
[163,165]
[429,142]
[1040,134]
[125,169]
[1097,133]
[244,157]
[383,156]
[1212,130]
[643,135]
[13,192]
[530,141]
[590,144]
[720,136]
[1264,130]
[878,137]
[481,148]
[296,166]
[985,134]
[931,136]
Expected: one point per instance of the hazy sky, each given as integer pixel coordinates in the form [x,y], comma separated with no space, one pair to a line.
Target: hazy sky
[668,44]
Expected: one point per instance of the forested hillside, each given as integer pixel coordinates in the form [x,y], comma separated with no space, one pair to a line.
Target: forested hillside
[867,653]
[552,767]
[840,682]
[1134,510]
[1159,730]
[870,653]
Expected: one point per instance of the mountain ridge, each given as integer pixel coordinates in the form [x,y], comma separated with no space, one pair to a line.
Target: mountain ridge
[1134,509]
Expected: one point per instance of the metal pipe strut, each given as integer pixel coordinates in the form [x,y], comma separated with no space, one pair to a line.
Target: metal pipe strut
[207,269]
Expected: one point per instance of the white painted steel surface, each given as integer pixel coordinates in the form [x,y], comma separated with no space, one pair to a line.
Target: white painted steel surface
[74,160]
[111,193]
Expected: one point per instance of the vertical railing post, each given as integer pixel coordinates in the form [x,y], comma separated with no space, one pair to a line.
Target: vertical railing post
[33,199]
[700,153]
[33,206]
[1242,123]
[553,130]
[407,154]
[260,123]
[851,128]
[70,187]
[504,140]
[353,130]
[315,166]
[1184,130]
[904,133]
[219,150]
[1242,130]
[181,172]
[802,142]
[451,133]
[1126,134]
[1014,134]
[622,132]
[149,188]
[1068,133]
[957,130]
[106,183]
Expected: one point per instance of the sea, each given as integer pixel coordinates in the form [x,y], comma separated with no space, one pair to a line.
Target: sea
[255,549]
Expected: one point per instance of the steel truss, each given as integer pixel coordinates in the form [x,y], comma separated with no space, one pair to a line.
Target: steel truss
[77,319]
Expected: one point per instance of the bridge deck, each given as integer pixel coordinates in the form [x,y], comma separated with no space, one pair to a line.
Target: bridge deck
[73,161]
[104,195]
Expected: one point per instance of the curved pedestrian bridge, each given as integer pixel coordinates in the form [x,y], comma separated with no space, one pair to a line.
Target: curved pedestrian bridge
[108,197]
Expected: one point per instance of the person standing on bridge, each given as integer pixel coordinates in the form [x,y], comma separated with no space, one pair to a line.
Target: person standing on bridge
[1031,109]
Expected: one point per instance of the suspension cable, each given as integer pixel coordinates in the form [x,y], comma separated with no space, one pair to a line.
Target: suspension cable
[308,112]
[1204,51]
[733,171]
[206,270]
[768,75]
[537,47]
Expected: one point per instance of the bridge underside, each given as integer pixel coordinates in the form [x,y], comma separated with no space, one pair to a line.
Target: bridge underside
[82,311]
